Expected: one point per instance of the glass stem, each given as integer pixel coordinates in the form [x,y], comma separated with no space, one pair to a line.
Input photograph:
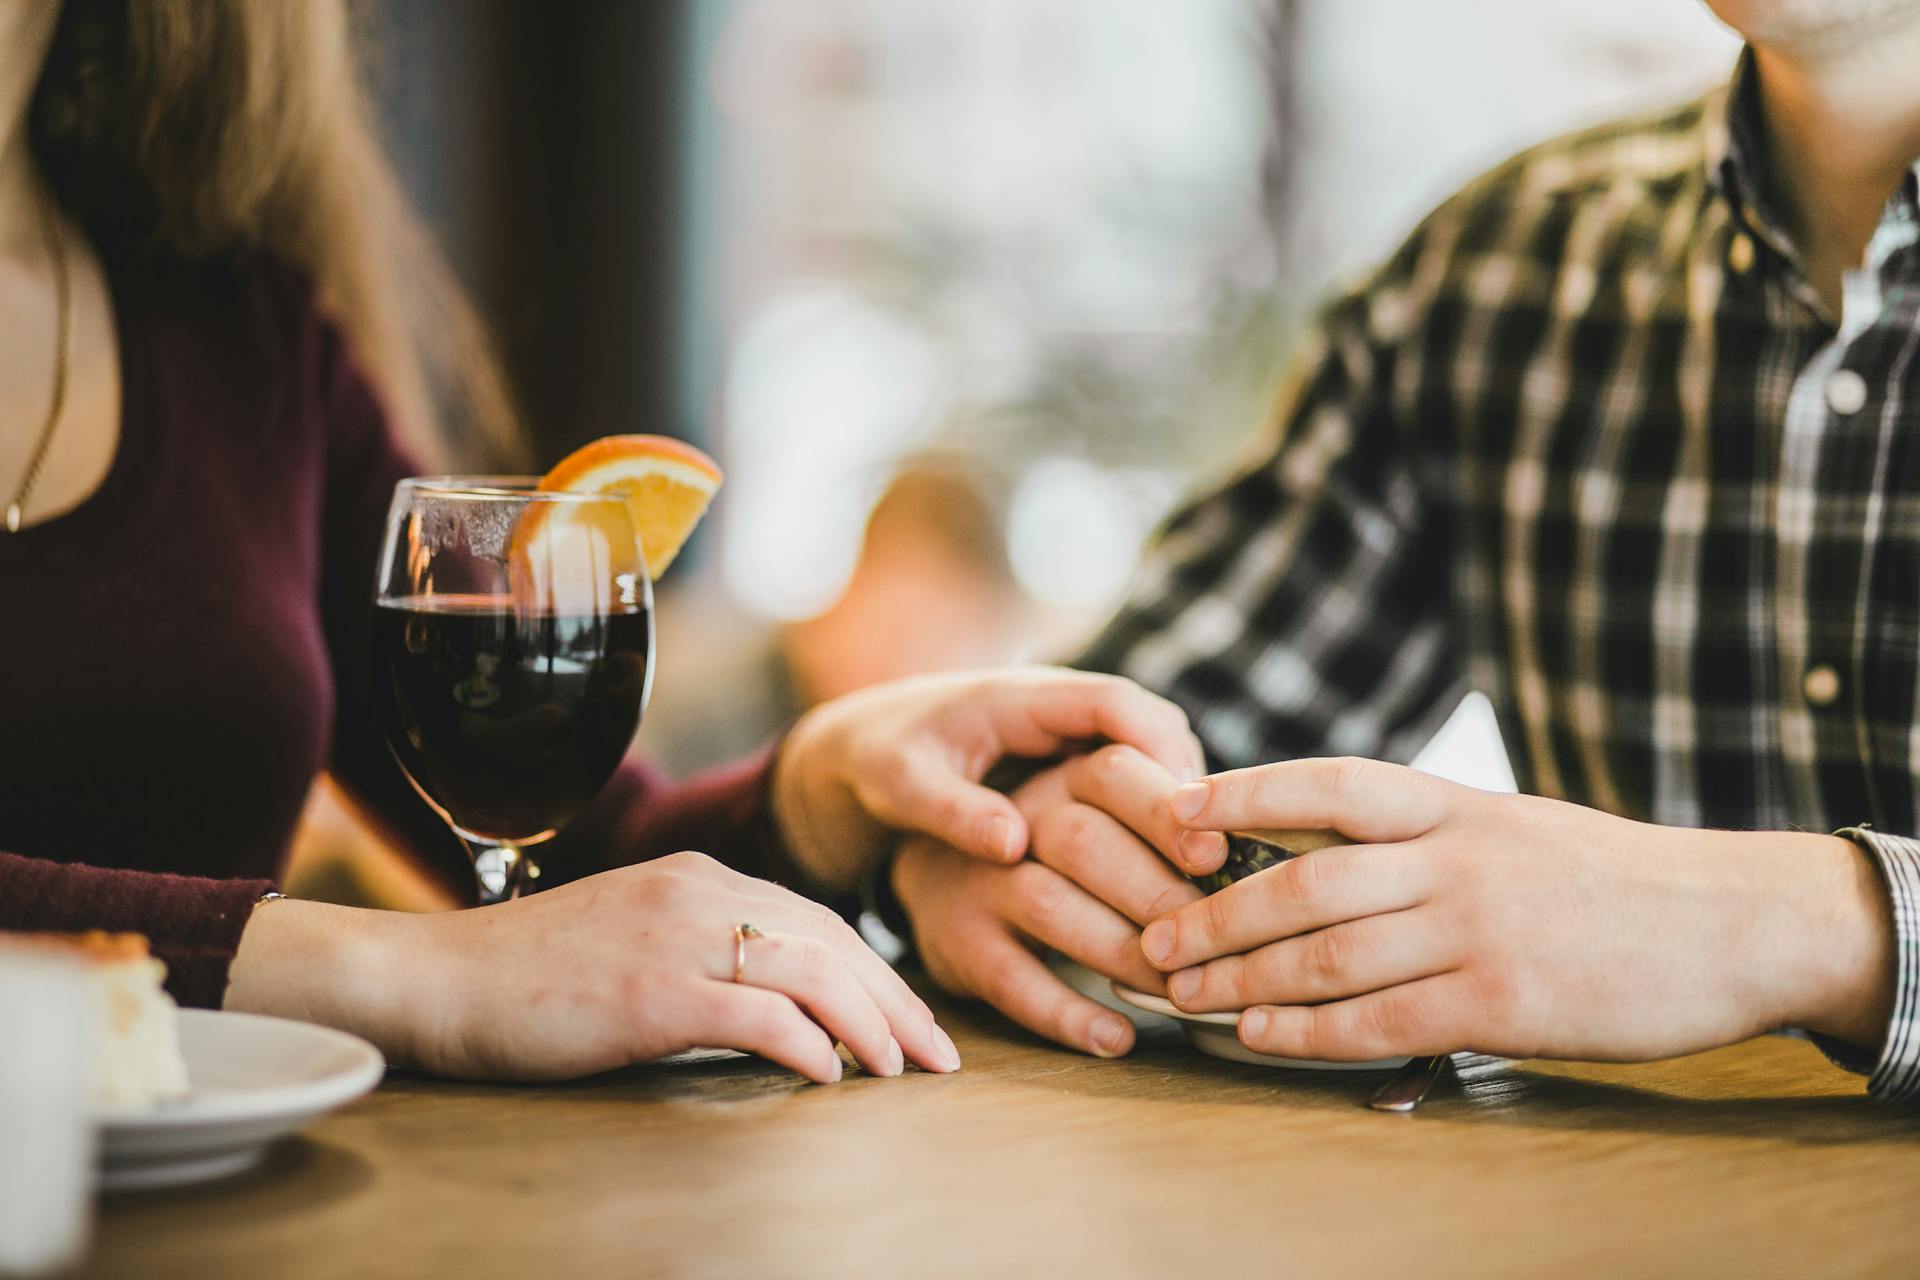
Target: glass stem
[505,870]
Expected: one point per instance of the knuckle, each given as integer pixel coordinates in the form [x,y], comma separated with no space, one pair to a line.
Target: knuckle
[1171,898]
[1328,1033]
[1308,879]
[780,892]
[1044,791]
[688,862]
[1301,880]
[1325,955]
[1111,764]
[893,772]
[1123,954]
[668,891]
[1047,898]
[1224,981]
[1480,907]
[1347,777]
[1335,1032]
[840,933]
[1473,914]
[1000,978]
[1214,917]
[1076,836]
[771,1019]
[1381,1027]
[813,964]
[943,813]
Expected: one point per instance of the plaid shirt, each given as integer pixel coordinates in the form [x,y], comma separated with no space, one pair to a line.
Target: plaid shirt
[1590,444]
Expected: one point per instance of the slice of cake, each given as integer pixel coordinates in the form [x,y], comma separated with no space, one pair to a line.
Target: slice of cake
[136,1040]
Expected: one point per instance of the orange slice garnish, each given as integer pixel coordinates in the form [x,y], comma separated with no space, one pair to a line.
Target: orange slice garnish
[667,485]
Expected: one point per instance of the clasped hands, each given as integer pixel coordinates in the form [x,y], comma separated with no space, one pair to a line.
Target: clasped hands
[1459,919]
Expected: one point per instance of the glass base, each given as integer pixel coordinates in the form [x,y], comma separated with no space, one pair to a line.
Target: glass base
[505,871]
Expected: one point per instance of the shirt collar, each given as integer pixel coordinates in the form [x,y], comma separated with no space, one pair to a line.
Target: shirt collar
[1736,155]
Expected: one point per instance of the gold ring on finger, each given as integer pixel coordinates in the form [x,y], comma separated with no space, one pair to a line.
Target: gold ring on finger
[741,932]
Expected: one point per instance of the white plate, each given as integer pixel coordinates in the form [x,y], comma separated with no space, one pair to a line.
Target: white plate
[1218,1034]
[251,1080]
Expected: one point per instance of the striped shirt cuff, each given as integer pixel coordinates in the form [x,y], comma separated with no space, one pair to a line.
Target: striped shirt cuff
[1895,1074]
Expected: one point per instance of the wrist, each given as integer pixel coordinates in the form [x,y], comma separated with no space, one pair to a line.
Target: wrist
[904,872]
[786,796]
[816,814]
[342,967]
[1839,977]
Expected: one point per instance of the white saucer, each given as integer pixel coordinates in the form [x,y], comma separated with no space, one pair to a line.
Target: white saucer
[253,1079]
[1218,1034]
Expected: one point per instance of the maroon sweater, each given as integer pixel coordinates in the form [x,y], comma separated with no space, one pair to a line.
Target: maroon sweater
[180,655]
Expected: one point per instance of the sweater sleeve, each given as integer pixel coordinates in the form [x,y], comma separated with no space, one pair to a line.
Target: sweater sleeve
[726,813]
[192,923]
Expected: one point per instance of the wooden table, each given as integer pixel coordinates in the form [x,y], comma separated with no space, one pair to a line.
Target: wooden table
[1759,1160]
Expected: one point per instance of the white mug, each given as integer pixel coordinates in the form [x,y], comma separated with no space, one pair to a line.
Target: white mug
[46,1121]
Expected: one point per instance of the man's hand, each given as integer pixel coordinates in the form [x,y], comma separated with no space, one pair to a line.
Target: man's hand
[1518,926]
[1102,833]
[909,756]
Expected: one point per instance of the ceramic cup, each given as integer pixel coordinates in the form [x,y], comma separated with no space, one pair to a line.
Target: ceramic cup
[46,1117]
[1255,850]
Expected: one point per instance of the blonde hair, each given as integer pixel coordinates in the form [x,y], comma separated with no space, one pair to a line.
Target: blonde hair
[208,127]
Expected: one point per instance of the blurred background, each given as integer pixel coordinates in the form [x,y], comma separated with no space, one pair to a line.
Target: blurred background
[962,294]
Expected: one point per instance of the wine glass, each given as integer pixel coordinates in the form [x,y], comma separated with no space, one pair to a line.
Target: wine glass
[512,657]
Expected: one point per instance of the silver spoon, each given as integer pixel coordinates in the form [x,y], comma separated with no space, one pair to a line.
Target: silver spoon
[1409,1084]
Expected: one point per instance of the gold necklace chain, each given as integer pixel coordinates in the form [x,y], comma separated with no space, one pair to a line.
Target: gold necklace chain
[62,340]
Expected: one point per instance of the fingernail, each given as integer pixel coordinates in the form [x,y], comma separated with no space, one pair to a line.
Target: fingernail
[1157,941]
[949,1058]
[1109,1037]
[1000,836]
[839,1069]
[1189,800]
[1253,1025]
[1183,985]
[1197,846]
[896,1060]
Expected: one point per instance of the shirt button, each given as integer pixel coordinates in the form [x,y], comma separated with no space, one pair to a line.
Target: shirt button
[1740,253]
[1846,392]
[1821,685]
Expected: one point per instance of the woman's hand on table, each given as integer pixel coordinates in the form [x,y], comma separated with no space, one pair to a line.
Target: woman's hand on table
[622,967]
[1102,836]
[909,756]
[1517,925]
